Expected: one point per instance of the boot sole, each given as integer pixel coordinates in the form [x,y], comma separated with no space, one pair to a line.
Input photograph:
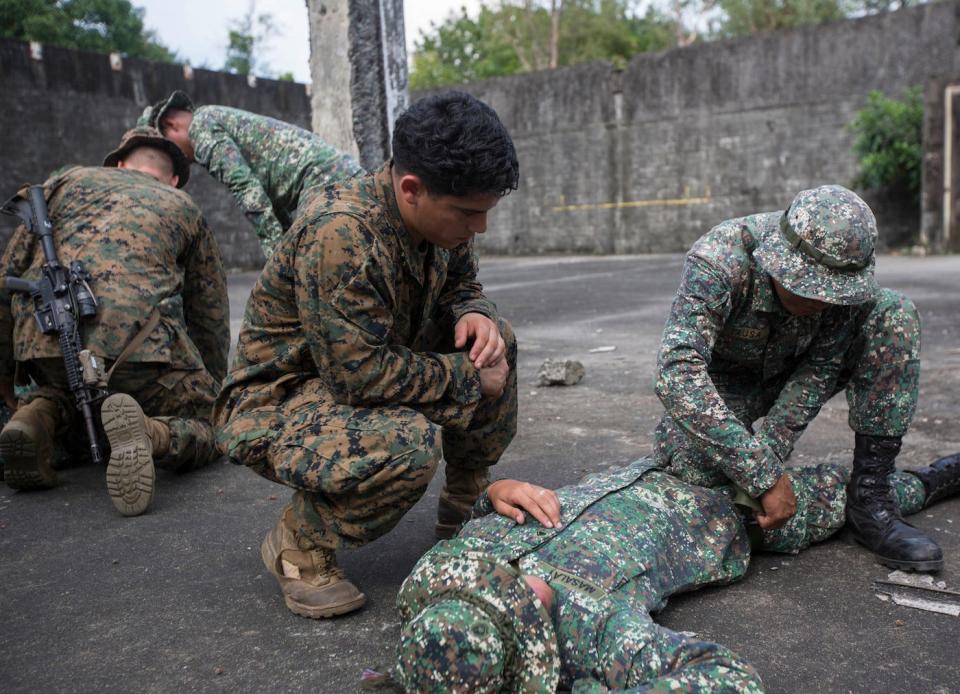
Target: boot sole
[130,472]
[928,565]
[21,461]
[931,565]
[269,554]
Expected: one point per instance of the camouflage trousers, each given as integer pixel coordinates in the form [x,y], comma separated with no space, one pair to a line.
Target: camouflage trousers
[183,400]
[881,377]
[694,538]
[357,470]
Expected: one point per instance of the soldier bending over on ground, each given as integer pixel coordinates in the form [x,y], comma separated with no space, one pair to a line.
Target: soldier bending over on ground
[775,314]
[157,276]
[509,606]
[267,164]
[367,340]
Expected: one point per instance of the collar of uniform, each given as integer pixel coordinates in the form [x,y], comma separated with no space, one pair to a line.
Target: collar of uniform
[412,257]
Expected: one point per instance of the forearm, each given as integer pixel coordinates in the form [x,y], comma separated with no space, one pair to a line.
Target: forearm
[711,428]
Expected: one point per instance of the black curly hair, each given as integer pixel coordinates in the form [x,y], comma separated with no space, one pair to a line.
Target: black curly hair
[457,145]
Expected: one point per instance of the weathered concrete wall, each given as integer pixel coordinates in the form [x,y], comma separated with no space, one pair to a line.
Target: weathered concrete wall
[71,107]
[358,64]
[941,196]
[331,104]
[648,159]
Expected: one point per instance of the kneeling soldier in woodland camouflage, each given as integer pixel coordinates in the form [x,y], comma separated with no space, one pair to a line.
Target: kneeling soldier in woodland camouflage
[350,367]
[775,314]
[566,599]
[162,324]
[267,164]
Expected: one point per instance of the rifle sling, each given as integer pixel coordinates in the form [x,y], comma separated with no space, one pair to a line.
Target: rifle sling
[152,321]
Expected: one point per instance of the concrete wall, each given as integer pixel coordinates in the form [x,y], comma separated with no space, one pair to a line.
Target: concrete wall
[648,159]
[640,160]
[71,107]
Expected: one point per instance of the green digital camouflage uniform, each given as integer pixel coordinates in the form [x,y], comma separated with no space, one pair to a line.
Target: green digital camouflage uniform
[731,354]
[345,373]
[148,249]
[267,164]
[628,540]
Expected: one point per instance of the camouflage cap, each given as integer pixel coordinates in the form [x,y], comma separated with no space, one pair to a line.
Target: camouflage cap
[144,136]
[470,623]
[823,247]
[152,114]
[451,645]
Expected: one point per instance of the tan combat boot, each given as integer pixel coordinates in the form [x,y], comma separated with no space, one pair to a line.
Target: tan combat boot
[26,446]
[312,584]
[460,491]
[130,471]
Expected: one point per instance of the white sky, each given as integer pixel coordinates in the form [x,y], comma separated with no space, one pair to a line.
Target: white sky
[197,29]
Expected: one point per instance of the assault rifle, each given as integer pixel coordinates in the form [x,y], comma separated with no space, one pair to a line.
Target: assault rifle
[62,299]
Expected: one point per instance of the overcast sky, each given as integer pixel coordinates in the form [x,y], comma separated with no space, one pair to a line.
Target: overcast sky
[197,29]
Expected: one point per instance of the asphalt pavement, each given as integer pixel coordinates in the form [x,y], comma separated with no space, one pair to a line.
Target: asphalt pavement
[178,599]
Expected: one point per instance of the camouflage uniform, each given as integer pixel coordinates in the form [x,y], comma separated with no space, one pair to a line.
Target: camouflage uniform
[731,354]
[628,540]
[147,248]
[267,164]
[345,373]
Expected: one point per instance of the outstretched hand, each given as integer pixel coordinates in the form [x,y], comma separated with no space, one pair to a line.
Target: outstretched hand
[511,498]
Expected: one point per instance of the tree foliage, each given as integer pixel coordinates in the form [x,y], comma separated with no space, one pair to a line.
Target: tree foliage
[740,17]
[522,36]
[96,25]
[888,142]
[246,38]
[511,36]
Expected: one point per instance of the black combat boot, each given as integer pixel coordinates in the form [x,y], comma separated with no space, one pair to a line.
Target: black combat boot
[872,513]
[941,480]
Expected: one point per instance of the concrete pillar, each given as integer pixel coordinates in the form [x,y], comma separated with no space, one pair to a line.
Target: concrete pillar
[358,68]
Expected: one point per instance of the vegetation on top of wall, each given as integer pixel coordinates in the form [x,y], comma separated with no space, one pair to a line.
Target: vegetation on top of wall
[96,25]
[888,143]
[512,36]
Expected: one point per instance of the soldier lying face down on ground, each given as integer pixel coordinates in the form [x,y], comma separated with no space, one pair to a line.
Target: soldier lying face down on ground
[267,164]
[565,599]
[162,324]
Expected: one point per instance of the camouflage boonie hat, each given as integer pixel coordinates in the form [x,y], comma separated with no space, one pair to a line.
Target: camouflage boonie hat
[823,247]
[451,644]
[152,114]
[470,623]
[143,136]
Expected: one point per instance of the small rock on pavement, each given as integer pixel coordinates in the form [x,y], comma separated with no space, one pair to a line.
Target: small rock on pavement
[560,373]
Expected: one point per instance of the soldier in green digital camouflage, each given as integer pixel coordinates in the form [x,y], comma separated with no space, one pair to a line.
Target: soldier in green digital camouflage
[162,324]
[267,164]
[775,314]
[565,600]
[367,341]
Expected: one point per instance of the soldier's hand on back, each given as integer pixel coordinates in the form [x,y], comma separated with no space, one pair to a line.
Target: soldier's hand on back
[779,504]
[511,498]
[488,347]
[494,379]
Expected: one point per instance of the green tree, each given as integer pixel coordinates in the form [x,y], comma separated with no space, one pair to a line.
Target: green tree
[526,35]
[96,25]
[741,17]
[888,143]
[246,38]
